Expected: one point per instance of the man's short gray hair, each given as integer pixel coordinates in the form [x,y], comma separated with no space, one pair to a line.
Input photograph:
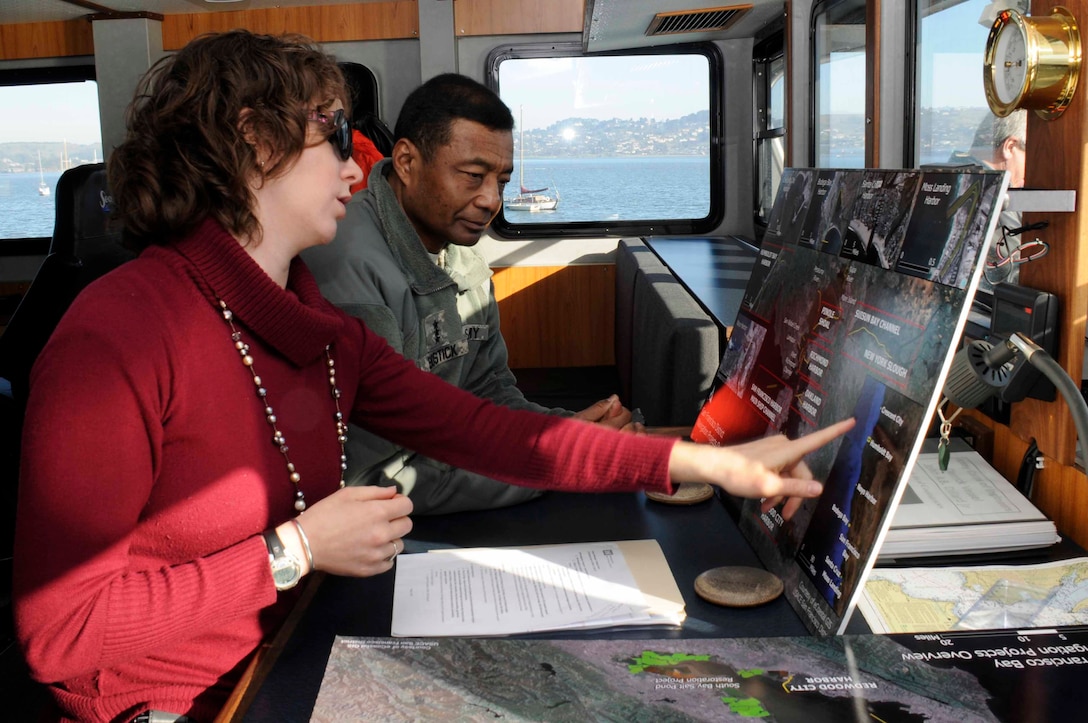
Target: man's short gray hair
[993,130]
[1014,125]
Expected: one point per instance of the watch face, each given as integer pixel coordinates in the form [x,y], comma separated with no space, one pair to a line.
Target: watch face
[285,573]
[1010,64]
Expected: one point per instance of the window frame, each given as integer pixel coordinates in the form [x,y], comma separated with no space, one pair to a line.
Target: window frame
[822,7]
[770,46]
[504,230]
[912,142]
[911,110]
[40,75]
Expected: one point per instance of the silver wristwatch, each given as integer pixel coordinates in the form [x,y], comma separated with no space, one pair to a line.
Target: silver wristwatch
[286,569]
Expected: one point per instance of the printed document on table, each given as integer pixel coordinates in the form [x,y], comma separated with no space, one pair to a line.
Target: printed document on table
[505,591]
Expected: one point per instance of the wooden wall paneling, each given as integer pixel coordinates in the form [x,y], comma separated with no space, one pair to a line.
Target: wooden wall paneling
[557,316]
[324,23]
[13,288]
[1072,499]
[1074,521]
[1060,491]
[1055,157]
[1008,450]
[513,17]
[46,40]
[1056,160]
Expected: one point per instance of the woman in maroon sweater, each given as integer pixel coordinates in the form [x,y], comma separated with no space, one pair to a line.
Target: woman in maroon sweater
[192,404]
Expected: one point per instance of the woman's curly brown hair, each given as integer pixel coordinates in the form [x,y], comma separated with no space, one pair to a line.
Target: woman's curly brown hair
[199,122]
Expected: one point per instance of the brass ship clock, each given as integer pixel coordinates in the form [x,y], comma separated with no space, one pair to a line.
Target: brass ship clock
[1032,62]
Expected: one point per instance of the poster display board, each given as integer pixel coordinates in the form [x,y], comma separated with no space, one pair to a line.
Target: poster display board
[949,678]
[854,309]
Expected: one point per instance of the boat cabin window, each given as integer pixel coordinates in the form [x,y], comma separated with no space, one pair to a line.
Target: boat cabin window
[953,122]
[49,122]
[615,143]
[838,87]
[951,102]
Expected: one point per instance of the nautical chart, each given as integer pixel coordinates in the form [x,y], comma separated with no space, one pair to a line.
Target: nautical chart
[920,600]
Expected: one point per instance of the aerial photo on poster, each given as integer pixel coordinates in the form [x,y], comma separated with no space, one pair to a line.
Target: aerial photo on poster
[866,333]
[894,679]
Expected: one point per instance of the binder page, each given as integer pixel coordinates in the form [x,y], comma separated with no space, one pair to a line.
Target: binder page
[503,591]
[970,491]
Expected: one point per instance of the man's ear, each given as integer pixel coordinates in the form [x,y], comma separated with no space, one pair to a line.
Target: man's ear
[1009,145]
[405,159]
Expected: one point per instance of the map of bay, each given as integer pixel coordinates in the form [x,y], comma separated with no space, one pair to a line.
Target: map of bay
[916,600]
[772,679]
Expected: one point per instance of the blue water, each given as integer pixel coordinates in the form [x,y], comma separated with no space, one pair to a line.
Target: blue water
[23,213]
[617,189]
[590,189]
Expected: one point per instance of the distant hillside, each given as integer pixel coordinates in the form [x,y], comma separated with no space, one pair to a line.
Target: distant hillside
[945,129]
[587,137]
[20,156]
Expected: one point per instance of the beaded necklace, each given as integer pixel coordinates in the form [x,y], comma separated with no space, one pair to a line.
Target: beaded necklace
[277,436]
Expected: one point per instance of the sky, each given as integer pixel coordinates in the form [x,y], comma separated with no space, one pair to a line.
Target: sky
[963,32]
[655,86]
[960,32]
[60,112]
[604,87]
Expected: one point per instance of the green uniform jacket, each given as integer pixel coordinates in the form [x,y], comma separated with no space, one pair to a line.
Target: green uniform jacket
[445,319]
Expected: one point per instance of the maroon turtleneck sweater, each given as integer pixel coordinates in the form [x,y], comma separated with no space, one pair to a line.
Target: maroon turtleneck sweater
[148,472]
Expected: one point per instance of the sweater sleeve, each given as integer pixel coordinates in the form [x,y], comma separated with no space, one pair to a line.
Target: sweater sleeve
[93,440]
[419,411]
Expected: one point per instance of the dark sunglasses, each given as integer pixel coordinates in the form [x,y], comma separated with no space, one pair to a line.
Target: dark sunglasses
[340,133]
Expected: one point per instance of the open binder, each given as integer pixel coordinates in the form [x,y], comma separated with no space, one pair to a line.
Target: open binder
[511,590]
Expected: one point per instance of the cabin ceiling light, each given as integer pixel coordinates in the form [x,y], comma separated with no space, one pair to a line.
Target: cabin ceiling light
[702,20]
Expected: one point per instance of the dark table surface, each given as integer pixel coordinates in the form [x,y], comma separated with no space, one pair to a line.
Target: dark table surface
[714,270]
[694,539]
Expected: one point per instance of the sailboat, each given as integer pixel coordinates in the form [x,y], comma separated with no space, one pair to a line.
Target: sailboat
[529,199]
[43,187]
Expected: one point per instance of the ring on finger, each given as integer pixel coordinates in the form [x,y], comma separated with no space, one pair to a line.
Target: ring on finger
[395,552]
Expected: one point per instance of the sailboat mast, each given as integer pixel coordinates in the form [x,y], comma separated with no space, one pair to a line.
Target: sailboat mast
[521,149]
[43,187]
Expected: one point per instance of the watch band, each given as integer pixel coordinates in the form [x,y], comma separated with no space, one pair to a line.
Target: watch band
[286,569]
[274,544]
